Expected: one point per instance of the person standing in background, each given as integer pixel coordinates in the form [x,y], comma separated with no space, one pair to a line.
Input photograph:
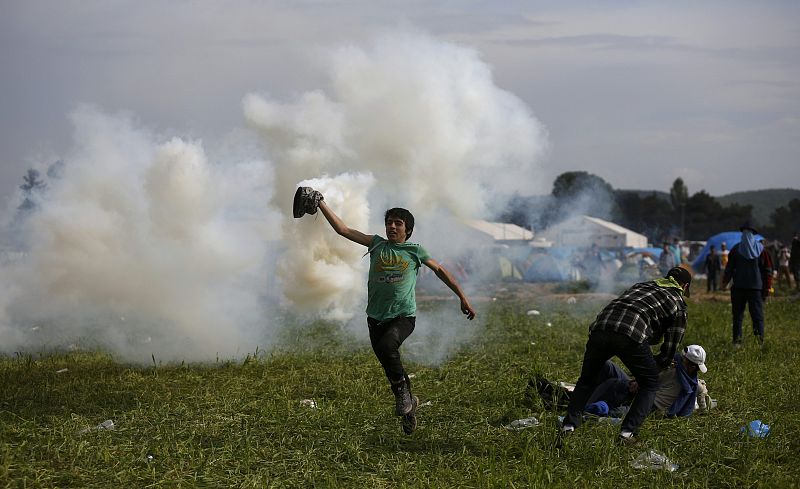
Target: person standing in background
[723,257]
[712,267]
[666,260]
[783,267]
[676,251]
[749,269]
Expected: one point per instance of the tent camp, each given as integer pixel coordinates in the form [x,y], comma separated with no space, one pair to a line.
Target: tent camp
[586,230]
[730,239]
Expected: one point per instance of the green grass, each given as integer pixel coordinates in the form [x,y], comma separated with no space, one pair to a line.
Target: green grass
[242,424]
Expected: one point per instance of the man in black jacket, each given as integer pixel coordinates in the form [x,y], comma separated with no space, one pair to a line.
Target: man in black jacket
[750,271]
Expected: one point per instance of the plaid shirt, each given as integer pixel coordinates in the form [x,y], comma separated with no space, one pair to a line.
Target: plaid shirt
[647,312]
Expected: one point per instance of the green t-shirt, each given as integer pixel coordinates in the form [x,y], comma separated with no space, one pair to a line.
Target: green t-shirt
[393,272]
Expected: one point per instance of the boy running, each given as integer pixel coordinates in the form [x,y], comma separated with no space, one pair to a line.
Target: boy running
[391,300]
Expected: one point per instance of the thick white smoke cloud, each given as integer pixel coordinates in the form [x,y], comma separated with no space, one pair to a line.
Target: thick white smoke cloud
[423,117]
[322,271]
[131,250]
[146,246]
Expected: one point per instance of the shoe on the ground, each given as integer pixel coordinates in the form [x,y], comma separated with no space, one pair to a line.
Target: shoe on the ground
[403,402]
[628,439]
[410,419]
[306,201]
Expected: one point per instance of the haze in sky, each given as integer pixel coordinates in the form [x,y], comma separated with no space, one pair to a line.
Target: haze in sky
[636,92]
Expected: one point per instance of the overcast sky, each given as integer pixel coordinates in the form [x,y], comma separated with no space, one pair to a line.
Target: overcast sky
[636,92]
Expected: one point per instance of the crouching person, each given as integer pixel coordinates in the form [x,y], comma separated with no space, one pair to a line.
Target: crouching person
[679,388]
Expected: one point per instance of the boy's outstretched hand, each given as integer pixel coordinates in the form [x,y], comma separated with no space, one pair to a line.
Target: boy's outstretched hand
[467,310]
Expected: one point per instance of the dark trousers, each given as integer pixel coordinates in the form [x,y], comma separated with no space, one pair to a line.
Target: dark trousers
[613,386]
[386,338]
[750,298]
[712,283]
[603,345]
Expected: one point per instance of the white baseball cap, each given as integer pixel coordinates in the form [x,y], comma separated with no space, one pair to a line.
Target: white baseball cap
[697,355]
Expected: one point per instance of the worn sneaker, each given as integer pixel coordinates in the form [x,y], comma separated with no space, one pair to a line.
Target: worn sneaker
[403,402]
[628,439]
[410,420]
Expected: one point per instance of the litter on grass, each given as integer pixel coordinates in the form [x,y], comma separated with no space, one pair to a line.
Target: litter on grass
[105,425]
[309,403]
[425,404]
[521,424]
[63,370]
[653,460]
[567,386]
[533,312]
[756,429]
[572,300]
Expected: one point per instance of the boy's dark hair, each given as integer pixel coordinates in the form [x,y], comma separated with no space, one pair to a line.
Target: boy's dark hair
[405,215]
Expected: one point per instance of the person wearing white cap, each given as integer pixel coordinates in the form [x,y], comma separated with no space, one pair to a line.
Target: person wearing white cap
[677,385]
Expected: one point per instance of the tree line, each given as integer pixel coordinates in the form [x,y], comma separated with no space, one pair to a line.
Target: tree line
[659,216]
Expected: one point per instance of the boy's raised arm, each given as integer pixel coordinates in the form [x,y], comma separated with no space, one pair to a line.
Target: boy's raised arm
[341,228]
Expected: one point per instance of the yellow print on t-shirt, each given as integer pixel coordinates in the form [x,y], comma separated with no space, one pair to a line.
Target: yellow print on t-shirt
[391,264]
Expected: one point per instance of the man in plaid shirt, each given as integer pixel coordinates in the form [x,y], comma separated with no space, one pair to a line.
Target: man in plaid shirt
[644,315]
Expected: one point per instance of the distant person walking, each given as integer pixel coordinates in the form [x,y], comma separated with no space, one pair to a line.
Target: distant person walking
[749,270]
[794,259]
[643,315]
[712,267]
[783,267]
[666,260]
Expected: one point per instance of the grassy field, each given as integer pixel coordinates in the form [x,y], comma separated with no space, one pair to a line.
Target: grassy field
[243,424]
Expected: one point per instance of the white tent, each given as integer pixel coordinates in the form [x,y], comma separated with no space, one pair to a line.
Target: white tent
[500,231]
[586,230]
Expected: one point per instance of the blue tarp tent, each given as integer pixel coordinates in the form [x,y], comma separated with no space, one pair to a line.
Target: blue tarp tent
[730,238]
[546,268]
